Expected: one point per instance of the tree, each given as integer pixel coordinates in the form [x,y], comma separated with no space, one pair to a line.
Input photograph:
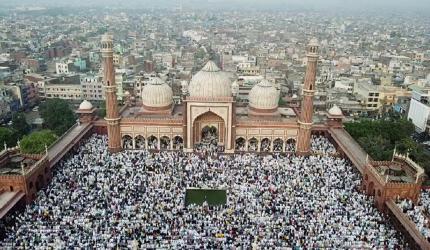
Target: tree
[200,54]
[101,110]
[20,125]
[58,116]
[7,136]
[407,145]
[35,142]
[379,137]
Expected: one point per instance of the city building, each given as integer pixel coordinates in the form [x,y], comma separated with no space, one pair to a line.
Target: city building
[419,109]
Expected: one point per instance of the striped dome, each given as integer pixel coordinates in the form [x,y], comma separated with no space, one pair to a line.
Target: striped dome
[210,82]
[264,96]
[157,94]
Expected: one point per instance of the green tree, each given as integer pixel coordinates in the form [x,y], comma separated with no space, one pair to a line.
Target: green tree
[35,142]
[58,115]
[7,136]
[379,137]
[101,110]
[20,125]
[200,54]
[377,147]
[407,145]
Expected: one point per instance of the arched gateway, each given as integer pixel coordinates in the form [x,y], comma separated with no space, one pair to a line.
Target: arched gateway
[209,128]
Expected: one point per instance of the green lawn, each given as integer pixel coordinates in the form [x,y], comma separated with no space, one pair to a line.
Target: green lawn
[213,197]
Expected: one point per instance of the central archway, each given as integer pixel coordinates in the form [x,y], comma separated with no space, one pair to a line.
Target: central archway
[209,128]
[209,134]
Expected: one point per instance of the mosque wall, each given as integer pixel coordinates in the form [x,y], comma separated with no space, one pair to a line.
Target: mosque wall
[271,133]
[151,130]
[221,109]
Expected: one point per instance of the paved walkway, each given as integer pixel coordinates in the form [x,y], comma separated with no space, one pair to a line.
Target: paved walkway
[67,141]
[8,200]
[350,147]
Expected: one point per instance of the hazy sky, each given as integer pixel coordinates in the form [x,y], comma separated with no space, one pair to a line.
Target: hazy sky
[275,4]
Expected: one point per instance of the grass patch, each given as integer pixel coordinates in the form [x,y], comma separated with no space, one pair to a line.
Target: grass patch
[214,197]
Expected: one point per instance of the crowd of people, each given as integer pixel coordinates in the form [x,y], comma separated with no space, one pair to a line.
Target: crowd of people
[418,213]
[321,145]
[136,199]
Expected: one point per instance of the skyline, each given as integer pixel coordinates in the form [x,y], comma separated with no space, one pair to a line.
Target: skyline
[380,5]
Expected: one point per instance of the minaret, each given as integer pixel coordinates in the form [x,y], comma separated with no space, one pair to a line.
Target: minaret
[307,109]
[112,117]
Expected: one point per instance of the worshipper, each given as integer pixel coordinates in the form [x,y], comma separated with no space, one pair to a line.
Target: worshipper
[418,213]
[136,199]
[321,145]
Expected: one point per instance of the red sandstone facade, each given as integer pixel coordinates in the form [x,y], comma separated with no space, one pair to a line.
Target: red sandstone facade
[34,174]
[388,180]
[112,116]
[305,117]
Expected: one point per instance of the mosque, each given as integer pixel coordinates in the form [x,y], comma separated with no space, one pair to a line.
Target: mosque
[208,115]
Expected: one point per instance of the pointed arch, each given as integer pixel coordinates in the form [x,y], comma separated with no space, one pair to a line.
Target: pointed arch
[253,144]
[165,143]
[278,145]
[240,144]
[127,142]
[265,145]
[152,142]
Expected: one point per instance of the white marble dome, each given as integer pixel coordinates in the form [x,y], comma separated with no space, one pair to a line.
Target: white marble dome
[210,82]
[335,110]
[85,105]
[157,94]
[264,95]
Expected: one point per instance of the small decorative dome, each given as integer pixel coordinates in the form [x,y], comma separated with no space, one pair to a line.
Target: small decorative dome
[157,94]
[210,82]
[127,93]
[264,96]
[85,105]
[335,110]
